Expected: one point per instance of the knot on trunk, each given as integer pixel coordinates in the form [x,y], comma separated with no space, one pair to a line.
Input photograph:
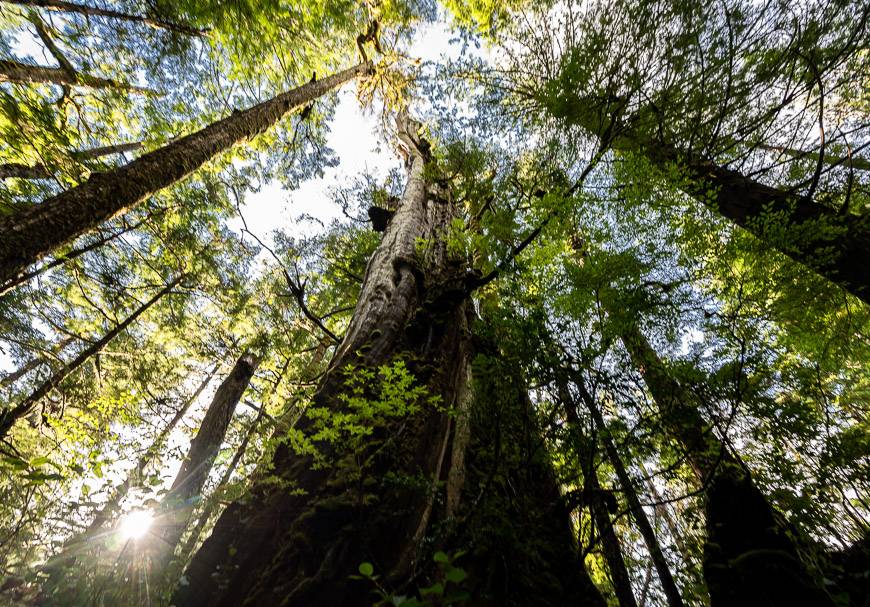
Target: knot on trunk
[380,218]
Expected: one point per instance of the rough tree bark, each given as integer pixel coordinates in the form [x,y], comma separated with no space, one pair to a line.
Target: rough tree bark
[91,11]
[304,529]
[23,408]
[15,71]
[40,171]
[177,506]
[27,235]
[751,555]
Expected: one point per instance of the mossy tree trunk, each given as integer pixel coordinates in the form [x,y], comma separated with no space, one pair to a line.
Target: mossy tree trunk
[35,231]
[327,501]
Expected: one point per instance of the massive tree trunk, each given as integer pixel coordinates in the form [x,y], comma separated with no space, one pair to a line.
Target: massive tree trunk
[14,71]
[27,235]
[186,489]
[752,556]
[324,505]
[11,415]
[91,11]
[41,171]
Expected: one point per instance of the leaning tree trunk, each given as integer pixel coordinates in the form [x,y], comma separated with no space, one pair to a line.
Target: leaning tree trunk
[13,414]
[186,489]
[26,73]
[35,231]
[752,556]
[330,499]
[41,171]
[91,11]
[832,244]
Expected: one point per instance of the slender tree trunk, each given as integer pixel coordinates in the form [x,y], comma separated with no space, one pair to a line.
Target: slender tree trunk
[856,162]
[10,416]
[213,504]
[40,171]
[187,487]
[90,11]
[672,592]
[304,529]
[751,555]
[664,510]
[27,235]
[595,500]
[14,71]
[33,363]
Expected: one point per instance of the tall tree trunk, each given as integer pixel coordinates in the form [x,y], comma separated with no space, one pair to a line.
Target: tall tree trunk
[304,529]
[595,500]
[15,71]
[187,487]
[672,592]
[10,416]
[41,171]
[90,11]
[512,514]
[27,235]
[213,504]
[13,376]
[834,245]
[751,555]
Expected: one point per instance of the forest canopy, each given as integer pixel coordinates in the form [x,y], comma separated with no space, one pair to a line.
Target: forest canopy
[407,302]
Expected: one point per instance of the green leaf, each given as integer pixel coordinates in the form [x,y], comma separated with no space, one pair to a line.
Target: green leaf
[436,588]
[441,557]
[455,575]
[366,569]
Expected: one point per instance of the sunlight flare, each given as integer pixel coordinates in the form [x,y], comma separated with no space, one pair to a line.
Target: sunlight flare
[136,524]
